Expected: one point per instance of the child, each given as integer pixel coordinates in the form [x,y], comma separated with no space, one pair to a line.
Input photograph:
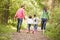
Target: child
[35,22]
[29,22]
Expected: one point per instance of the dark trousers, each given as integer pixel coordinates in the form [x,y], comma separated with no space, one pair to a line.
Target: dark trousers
[19,24]
[43,23]
[35,27]
[29,25]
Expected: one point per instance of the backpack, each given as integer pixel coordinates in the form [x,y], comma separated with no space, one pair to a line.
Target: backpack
[35,20]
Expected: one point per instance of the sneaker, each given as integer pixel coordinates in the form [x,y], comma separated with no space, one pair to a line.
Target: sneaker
[28,31]
[33,32]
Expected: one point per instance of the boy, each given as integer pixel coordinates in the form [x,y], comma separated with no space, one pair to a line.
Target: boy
[35,22]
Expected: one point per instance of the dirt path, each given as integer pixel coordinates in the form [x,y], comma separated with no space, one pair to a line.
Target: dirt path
[28,36]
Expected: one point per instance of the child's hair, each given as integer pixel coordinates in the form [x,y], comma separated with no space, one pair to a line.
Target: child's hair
[22,5]
[34,15]
[30,16]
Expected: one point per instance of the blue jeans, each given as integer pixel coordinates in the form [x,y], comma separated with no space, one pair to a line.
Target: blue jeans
[29,25]
[43,23]
[19,24]
[35,27]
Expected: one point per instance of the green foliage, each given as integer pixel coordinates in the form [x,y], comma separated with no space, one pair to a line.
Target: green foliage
[5,32]
[31,7]
[14,5]
[53,30]
[13,23]
[56,14]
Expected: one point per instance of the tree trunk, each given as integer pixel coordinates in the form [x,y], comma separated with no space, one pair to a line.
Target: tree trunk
[50,4]
[5,13]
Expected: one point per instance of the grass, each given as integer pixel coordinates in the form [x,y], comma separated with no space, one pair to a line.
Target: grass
[52,32]
[5,32]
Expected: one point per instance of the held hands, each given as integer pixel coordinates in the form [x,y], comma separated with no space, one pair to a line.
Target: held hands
[14,18]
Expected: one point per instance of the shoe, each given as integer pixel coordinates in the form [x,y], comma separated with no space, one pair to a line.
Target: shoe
[18,31]
[33,32]
[28,31]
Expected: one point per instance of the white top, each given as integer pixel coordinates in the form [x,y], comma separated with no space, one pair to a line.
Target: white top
[29,21]
[35,20]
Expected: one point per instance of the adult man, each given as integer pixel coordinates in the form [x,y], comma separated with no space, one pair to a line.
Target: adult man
[20,16]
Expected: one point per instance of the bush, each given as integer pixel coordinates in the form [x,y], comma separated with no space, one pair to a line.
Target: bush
[5,31]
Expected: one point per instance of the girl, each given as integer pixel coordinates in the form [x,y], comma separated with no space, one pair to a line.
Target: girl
[29,22]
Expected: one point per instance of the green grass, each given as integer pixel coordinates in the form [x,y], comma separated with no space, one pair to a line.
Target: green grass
[14,24]
[5,32]
[52,32]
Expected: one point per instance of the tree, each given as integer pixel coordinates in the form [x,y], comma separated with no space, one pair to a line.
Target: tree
[4,11]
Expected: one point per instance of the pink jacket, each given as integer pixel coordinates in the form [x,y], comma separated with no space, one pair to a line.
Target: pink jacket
[20,13]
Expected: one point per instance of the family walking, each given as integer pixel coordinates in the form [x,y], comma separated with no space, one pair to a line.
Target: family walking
[20,15]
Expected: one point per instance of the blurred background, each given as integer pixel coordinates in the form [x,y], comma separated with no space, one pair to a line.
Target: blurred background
[8,9]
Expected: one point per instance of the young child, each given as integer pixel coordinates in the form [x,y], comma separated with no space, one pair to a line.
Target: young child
[35,22]
[29,22]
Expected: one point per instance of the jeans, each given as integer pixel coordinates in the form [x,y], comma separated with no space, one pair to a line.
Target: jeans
[19,24]
[29,25]
[43,23]
[35,27]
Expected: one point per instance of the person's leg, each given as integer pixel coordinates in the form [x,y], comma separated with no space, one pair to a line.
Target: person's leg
[35,27]
[29,27]
[42,24]
[20,23]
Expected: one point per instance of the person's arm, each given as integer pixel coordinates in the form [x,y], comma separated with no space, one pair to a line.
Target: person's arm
[41,15]
[23,14]
[48,15]
[38,19]
[16,15]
